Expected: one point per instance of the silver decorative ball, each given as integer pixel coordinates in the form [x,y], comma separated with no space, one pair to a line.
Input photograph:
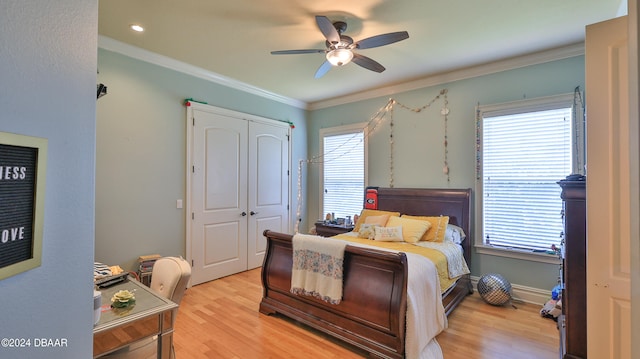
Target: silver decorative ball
[494,289]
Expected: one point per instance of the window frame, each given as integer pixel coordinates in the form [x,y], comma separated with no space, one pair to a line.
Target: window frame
[342,130]
[578,162]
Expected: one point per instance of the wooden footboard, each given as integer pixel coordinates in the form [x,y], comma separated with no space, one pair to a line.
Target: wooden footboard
[372,312]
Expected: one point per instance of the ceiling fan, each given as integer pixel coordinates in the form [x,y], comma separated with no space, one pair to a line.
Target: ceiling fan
[339,51]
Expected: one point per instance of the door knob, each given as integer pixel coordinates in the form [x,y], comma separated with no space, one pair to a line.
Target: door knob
[253,213]
[243,214]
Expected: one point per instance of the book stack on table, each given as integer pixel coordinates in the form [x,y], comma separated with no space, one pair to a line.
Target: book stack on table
[146,267]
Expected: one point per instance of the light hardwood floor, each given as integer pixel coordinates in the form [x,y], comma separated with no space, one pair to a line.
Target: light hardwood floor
[220,319]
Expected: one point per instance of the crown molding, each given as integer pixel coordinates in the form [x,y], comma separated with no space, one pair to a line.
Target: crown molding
[535,58]
[457,75]
[110,44]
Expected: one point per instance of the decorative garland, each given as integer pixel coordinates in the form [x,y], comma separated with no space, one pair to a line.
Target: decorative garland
[391,146]
[445,114]
[373,124]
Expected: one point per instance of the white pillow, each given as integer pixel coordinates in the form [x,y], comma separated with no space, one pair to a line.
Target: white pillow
[388,234]
[454,234]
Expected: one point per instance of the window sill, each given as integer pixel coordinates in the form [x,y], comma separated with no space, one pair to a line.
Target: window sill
[518,254]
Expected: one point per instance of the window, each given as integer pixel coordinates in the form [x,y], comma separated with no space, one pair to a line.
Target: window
[525,148]
[343,169]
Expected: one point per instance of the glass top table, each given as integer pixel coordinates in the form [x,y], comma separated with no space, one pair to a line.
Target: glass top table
[151,315]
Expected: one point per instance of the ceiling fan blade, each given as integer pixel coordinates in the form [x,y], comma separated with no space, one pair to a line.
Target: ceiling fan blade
[327,29]
[293,52]
[367,63]
[323,69]
[381,40]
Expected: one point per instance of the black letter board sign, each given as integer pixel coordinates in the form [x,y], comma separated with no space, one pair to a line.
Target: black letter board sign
[22,183]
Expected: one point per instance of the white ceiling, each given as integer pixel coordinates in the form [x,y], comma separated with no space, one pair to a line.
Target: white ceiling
[233,39]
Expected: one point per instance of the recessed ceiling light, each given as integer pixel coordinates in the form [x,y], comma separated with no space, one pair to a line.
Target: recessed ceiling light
[136,27]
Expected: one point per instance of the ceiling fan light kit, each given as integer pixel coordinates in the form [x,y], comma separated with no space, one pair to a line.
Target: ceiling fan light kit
[339,57]
[339,51]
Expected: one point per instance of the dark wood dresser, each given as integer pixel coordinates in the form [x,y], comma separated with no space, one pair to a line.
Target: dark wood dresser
[572,323]
[329,230]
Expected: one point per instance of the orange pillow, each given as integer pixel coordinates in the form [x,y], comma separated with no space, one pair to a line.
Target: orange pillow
[438,227]
[371,212]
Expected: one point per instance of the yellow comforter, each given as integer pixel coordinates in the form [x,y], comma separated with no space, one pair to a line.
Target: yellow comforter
[437,257]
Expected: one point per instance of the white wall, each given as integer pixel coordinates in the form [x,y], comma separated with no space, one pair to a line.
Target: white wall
[47,89]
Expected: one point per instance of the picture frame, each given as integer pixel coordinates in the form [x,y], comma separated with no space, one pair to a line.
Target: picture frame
[23,162]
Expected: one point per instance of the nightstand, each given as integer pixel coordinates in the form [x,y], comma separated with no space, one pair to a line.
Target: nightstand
[329,230]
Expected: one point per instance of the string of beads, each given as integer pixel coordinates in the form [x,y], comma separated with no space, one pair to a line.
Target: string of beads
[372,125]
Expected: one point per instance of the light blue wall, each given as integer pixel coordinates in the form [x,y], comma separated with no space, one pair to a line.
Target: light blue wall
[141,153]
[141,149]
[418,142]
[47,89]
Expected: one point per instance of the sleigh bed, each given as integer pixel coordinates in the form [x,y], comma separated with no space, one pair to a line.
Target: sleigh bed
[371,315]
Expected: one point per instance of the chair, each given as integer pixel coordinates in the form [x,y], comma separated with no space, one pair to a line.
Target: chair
[169,278]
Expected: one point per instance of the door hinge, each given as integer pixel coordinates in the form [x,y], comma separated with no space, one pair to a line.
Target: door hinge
[192,215]
[287,172]
[193,169]
[192,263]
[288,138]
[287,207]
[193,123]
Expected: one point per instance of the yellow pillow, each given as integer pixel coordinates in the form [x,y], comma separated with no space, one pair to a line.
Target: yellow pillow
[438,227]
[380,220]
[371,212]
[412,229]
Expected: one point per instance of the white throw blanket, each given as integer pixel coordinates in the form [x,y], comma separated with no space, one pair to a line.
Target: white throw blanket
[425,317]
[456,264]
[425,314]
[318,267]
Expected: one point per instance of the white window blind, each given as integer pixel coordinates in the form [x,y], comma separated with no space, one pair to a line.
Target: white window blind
[343,171]
[523,156]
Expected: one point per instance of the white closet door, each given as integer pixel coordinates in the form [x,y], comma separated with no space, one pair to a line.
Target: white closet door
[237,187]
[268,185]
[609,220]
[219,196]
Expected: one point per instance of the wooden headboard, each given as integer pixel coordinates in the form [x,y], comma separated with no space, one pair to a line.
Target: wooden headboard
[374,279]
[454,203]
